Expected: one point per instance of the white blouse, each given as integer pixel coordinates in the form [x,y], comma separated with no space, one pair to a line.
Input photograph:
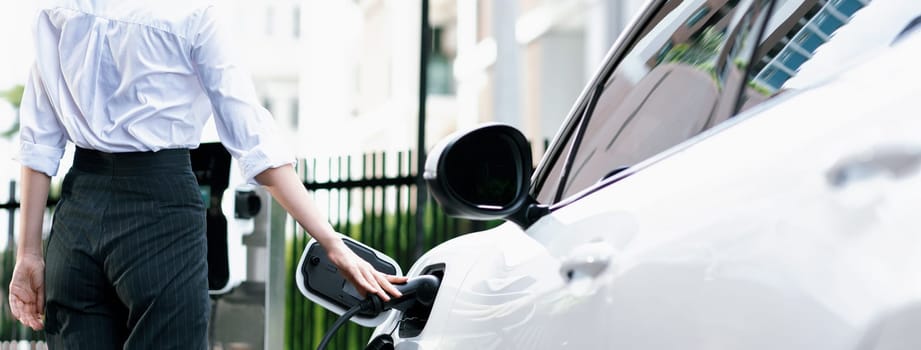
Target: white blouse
[135,75]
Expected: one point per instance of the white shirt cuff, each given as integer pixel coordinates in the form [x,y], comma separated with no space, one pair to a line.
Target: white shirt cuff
[45,159]
[257,161]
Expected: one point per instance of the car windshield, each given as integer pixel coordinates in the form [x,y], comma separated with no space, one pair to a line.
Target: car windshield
[695,64]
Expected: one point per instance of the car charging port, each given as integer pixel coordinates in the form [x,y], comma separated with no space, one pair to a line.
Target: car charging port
[419,290]
[415,317]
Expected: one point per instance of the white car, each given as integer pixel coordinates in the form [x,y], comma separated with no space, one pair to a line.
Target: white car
[693,199]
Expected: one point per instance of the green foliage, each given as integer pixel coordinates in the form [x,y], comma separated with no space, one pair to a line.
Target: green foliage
[740,63]
[760,88]
[700,52]
[14,97]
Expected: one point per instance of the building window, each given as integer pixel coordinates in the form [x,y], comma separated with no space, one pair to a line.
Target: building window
[296,24]
[773,78]
[697,16]
[295,112]
[267,104]
[440,66]
[269,21]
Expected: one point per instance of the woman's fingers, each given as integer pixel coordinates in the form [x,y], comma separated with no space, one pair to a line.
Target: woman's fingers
[27,292]
[387,285]
[360,282]
[362,275]
[372,281]
[397,279]
[22,303]
[382,283]
[370,275]
[32,321]
[25,312]
[367,280]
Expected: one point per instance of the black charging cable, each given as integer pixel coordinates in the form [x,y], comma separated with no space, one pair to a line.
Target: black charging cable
[420,290]
[339,322]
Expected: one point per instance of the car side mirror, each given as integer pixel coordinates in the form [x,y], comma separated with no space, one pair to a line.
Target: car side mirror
[484,174]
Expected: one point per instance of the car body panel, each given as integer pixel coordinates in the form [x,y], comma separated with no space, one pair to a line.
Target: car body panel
[793,226]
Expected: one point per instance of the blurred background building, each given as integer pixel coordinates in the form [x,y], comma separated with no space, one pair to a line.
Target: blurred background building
[343,76]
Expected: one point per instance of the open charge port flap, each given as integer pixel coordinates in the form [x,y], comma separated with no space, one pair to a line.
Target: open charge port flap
[323,278]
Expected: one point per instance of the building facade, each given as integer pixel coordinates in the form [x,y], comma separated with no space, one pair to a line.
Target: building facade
[342,77]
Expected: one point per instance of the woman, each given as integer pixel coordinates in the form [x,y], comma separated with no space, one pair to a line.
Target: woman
[131,84]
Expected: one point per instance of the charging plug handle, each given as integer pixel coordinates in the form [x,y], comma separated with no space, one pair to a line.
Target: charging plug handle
[421,289]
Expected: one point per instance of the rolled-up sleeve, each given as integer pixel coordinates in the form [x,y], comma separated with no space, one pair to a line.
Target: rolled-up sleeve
[244,127]
[41,136]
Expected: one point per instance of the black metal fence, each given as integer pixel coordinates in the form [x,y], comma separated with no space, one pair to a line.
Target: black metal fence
[371,198]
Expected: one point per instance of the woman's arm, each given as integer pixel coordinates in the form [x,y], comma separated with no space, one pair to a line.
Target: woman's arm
[27,287]
[247,131]
[286,188]
[34,189]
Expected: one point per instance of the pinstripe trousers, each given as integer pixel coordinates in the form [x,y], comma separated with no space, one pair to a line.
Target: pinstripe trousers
[126,259]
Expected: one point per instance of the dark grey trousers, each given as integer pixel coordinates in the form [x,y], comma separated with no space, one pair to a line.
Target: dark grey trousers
[126,260]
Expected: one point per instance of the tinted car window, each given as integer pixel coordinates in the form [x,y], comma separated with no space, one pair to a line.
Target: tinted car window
[688,71]
[675,82]
[795,33]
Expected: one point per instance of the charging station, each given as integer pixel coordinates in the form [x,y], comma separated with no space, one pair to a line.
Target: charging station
[247,314]
[211,166]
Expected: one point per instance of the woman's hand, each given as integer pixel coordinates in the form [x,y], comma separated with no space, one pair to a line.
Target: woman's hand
[27,285]
[361,274]
[287,189]
[27,291]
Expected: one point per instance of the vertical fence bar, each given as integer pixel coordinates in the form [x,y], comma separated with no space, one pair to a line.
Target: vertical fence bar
[373,237]
[342,173]
[316,315]
[398,216]
[345,333]
[303,308]
[381,204]
[408,220]
[348,196]
[424,48]
[11,226]
[17,329]
[8,261]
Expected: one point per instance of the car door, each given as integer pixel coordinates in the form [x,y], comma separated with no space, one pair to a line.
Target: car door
[551,288]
